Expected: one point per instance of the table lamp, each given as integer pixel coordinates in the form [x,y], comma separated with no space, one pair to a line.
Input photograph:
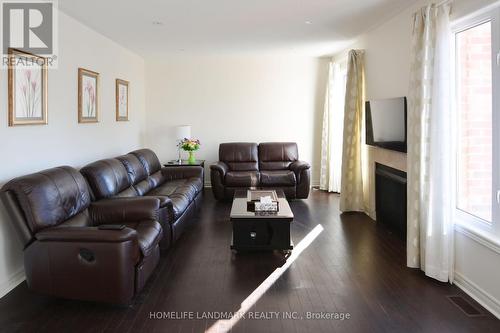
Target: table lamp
[182,132]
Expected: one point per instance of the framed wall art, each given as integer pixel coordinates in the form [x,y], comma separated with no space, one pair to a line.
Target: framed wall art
[88,96]
[121,100]
[27,88]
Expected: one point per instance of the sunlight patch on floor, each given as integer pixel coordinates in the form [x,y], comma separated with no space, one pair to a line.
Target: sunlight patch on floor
[223,326]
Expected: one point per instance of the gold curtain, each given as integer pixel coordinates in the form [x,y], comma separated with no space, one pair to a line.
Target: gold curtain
[351,194]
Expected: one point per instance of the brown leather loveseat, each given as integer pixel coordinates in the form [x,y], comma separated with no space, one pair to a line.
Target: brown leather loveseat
[267,165]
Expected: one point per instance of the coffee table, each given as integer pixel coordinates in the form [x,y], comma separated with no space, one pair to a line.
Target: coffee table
[260,231]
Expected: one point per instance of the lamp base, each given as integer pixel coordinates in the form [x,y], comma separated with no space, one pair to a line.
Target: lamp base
[179,159]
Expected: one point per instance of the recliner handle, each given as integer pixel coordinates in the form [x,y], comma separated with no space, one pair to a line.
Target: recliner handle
[87,255]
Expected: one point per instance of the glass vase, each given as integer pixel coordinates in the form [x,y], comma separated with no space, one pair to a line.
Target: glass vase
[191,158]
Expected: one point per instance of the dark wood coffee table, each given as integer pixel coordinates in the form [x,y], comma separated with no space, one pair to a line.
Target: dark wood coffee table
[261,231]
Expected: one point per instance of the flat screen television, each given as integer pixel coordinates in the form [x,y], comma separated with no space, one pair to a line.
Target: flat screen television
[386,123]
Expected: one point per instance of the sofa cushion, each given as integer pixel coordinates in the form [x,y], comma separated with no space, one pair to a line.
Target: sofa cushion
[50,197]
[135,169]
[156,179]
[143,187]
[107,178]
[79,220]
[149,234]
[239,156]
[277,155]
[242,178]
[180,191]
[148,159]
[277,178]
[180,203]
[188,186]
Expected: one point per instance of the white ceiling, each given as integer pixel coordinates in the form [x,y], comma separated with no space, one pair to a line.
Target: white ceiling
[314,27]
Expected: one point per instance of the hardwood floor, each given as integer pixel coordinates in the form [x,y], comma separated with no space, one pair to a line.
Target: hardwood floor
[353,266]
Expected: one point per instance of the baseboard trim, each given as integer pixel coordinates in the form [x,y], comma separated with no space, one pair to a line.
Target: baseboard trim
[489,302]
[12,282]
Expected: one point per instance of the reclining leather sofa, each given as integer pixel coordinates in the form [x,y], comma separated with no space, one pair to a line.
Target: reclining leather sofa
[274,165]
[65,225]
[65,252]
[140,173]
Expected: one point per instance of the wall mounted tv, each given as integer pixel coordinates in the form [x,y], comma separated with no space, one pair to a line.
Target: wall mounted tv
[386,123]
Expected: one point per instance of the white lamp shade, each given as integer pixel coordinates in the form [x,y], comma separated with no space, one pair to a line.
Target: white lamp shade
[183,131]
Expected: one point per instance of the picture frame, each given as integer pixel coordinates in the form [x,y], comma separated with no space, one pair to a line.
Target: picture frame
[122,100]
[27,88]
[88,96]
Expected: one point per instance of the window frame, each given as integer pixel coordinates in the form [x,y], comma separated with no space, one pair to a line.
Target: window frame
[461,217]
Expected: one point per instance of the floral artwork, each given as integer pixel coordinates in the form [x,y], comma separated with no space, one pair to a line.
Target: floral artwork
[121,100]
[27,90]
[29,94]
[88,104]
[89,97]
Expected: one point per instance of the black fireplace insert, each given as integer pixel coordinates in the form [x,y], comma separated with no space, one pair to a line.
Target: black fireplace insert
[390,198]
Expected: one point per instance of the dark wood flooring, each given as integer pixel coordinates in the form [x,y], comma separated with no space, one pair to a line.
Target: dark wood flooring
[353,266]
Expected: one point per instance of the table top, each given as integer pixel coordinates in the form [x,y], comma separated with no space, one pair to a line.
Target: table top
[239,208]
[184,163]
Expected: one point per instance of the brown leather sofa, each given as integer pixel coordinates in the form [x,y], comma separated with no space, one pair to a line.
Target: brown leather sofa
[63,221]
[65,252]
[267,165]
[140,173]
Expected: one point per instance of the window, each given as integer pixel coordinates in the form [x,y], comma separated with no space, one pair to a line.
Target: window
[478,129]
[474,105]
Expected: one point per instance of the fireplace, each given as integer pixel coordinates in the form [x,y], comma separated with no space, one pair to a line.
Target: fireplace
[390,199]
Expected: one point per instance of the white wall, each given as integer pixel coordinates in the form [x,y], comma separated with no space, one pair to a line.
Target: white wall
[387,56]
[236,98]
[63,141]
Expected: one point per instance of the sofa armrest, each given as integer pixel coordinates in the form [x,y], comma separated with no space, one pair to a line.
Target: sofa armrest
[165,202]
[298,166]
[219,167]
[181,172]
[86,234]
[122,210]
[217,174]
[303,174]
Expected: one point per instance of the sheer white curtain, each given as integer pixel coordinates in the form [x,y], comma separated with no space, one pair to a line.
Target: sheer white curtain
[430,230]
[333,126]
